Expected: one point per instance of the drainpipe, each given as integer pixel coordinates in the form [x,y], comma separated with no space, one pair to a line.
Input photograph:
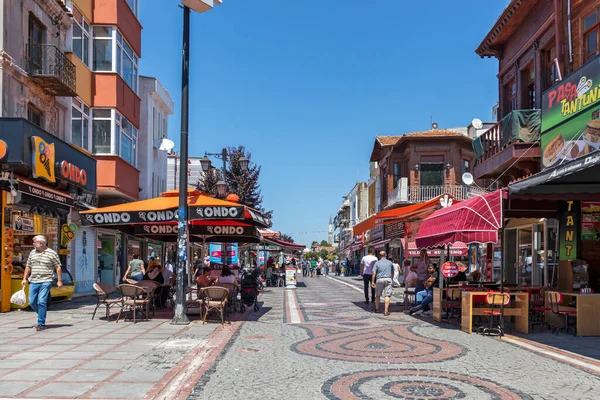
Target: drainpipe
[569,32]
[558,32]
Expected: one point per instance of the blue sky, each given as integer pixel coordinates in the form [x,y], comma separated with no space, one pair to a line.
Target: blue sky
[306,86]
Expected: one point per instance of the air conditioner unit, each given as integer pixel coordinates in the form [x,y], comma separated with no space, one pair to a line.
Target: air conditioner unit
[403,190]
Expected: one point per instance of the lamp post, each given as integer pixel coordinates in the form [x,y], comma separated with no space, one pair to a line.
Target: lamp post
[200,6]
[221,184]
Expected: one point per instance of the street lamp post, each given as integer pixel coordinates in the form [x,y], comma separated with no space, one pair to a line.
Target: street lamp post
[221,184]
[179,316]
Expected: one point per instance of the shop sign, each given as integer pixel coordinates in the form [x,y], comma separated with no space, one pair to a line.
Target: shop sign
[450,269]
[157,229]
[216,254]
[3,149]
[212,212]
[114,218]
[570,116]
[23,224]
[377,232]
[73,173]
[8,262]
[43,157]
[220,230]
[67,234]
[89,200]
[394,230]
[411,229]
[434,253]
[45,194]
[473,257]
[569,222]
[590,221]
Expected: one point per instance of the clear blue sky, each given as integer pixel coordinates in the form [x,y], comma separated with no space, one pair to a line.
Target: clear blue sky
[306,86]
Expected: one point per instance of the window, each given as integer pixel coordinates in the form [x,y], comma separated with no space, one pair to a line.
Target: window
[80,125]
[510,98]
[103,48]
[133,4]
[550,73]
[35,116]
[397,174]
[112,53]
[114,134]
[101,131]
[591,33]
[528,95]
[127,62]
[432,174]
[36,40]
[81,37]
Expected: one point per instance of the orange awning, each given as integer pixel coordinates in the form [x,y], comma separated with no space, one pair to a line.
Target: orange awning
[407,213]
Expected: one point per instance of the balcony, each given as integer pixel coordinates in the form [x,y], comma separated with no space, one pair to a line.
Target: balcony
[116,178]
[510,149]
[51,69]
[419,194]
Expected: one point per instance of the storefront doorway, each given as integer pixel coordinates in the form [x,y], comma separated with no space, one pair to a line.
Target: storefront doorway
[530,252]
[107,258]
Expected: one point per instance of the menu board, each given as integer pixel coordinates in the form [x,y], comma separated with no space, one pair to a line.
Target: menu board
[590,221]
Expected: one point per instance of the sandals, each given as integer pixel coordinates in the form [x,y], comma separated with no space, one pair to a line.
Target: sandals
[386,314]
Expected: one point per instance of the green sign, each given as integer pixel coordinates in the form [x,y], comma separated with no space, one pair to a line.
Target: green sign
[575,138]
[571,116]
[569,227]
[577,92]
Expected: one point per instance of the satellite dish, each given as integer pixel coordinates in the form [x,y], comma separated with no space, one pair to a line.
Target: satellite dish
[477,124]
[434,125]
[166,144]
[467,178]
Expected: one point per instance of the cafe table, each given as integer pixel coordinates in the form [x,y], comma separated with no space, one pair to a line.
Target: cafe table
[518,308]
[588,310]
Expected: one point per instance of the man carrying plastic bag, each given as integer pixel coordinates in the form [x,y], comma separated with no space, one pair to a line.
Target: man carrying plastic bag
[41,264]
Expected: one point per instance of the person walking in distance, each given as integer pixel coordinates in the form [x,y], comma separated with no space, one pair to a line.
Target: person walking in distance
[367,263]
[304,268]
[383,272]
[40,268]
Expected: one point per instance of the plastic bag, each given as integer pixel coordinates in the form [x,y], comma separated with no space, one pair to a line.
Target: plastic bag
[19,298]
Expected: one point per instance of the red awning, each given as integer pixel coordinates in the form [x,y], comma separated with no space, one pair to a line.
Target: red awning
[379,244]
[282,243]
[475,220]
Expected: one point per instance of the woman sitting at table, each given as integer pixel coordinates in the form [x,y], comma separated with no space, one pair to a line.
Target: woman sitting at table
[154,273]
[227,277]
[205,280]
[425,297]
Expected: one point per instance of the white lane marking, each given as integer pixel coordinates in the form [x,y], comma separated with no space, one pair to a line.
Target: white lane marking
[293,308]
[347,284]
[554,355]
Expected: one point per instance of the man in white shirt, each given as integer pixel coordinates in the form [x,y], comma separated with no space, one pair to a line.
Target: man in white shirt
[367,263]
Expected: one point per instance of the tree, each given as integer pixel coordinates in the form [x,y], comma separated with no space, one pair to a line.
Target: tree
[324,243]
[208,182]
[314,243]
[287,238]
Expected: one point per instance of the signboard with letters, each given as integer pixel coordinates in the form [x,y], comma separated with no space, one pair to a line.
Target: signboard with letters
[394,230]
[571,116]
[568,219]
[45,194]
[590,221]
[23,224]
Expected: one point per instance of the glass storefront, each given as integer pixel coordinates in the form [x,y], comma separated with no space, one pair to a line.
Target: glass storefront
[155,250]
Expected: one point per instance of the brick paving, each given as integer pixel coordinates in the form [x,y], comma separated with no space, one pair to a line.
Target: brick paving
[341,350]
[80,358]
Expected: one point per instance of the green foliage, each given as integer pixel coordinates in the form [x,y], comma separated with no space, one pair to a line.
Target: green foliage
[208,182]
[324,243]
[287,238]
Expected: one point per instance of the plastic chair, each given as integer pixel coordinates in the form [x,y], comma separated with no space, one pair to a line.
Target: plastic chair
[556,299]
[133,297]
[537,314]
[495,301]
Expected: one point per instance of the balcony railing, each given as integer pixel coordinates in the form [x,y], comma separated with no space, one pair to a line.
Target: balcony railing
[51,69]
[419,194]
[519,126]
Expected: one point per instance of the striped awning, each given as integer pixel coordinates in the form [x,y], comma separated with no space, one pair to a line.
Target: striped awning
[379,244]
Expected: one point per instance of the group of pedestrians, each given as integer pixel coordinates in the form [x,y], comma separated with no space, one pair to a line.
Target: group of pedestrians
[312,268]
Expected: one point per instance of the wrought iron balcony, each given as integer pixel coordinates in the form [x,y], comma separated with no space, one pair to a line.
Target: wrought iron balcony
[419,194]
[51,69]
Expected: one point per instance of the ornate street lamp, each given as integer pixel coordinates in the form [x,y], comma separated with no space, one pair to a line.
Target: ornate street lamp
[244,163]
[221,188]
[205,163]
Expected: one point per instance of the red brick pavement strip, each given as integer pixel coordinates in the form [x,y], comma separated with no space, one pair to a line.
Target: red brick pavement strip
[181,380]
[588,364]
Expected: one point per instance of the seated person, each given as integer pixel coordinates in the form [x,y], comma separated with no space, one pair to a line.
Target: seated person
[205,280]
[462,273]
[169,276]
[425,297]
[154,273]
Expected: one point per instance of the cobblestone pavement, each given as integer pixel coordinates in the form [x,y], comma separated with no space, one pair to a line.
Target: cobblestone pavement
[339,349]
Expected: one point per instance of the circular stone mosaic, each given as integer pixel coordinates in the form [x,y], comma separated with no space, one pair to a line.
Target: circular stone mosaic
[396,344]
[415,385]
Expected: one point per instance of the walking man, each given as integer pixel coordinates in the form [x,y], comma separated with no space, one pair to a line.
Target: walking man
[41,264]
[304,268]
[383,272]
[367,263]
